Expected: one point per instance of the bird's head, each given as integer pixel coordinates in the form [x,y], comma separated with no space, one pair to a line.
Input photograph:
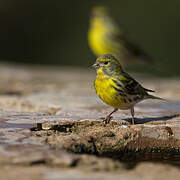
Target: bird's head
[99,14]
[99,11]
[107,64]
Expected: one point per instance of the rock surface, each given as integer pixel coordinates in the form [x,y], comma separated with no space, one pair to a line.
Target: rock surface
[50,128]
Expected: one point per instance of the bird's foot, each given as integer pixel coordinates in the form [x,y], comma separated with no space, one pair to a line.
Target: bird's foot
[132,121]
[107,119]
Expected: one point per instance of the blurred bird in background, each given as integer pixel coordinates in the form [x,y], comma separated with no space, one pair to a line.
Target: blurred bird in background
[105,37]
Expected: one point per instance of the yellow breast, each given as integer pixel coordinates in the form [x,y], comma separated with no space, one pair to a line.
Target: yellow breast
[104,89]
[98,40]
[95,39]
[103,41]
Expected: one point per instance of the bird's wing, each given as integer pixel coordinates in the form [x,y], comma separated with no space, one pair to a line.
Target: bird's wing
[117,36]
[129,85]
[135,50]
[132,49]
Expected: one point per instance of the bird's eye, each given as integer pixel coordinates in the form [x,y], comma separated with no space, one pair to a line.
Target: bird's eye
[106,62]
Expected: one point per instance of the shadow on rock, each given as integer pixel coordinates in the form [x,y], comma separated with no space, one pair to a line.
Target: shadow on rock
[149,119]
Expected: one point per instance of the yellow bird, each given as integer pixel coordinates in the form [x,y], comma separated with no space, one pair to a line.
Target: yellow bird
[105,37]
[116,87]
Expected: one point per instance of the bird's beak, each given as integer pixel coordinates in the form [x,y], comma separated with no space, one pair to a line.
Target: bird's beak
[95,65]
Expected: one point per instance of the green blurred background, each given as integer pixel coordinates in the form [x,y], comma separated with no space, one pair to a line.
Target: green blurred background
[55,32]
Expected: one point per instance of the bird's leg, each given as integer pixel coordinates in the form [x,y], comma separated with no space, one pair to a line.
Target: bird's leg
[132,114]
[108,118]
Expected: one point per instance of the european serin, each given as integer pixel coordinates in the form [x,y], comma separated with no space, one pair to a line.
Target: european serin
[105,37]
[116,87]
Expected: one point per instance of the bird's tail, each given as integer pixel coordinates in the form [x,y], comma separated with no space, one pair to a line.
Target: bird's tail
[149,96]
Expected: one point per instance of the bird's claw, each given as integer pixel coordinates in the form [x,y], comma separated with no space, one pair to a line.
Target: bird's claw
[107,119]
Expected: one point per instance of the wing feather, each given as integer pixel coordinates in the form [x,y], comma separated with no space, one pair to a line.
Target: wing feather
[130,86]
